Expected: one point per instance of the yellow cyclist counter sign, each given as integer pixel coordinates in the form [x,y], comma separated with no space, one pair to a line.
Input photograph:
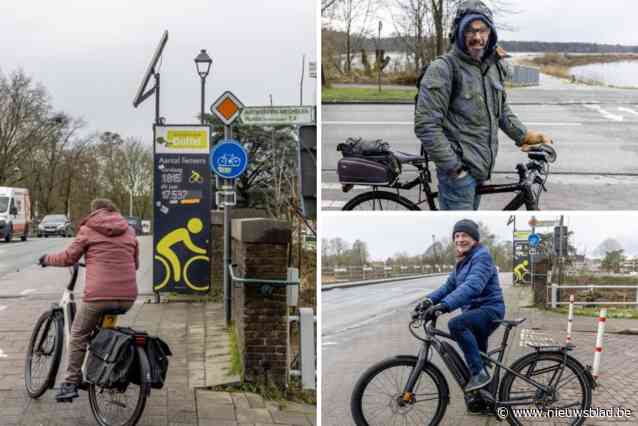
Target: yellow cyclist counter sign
[181,207]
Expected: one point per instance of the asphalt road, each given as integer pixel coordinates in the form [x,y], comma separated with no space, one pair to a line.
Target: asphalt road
[21,258]
[595,131]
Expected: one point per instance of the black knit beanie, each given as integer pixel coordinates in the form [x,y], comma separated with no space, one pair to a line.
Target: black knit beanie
[469,227]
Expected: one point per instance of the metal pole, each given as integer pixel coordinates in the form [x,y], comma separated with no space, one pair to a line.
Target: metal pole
[303,65]
[560,251]
[379,57]
[228,134]
[130,204]
[202,100]
[157,98]
[157,122]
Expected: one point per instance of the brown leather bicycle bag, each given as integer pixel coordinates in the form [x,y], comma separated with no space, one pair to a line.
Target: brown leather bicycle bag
[367,162]
[110,356]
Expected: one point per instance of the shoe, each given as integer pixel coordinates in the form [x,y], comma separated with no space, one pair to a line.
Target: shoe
[67,392]
[478,381]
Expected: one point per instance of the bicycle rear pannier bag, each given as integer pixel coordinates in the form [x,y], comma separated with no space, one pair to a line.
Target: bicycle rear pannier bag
[109,358]
[362,171]
[158,352]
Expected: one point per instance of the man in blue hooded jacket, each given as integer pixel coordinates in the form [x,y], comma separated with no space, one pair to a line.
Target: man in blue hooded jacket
[474,287]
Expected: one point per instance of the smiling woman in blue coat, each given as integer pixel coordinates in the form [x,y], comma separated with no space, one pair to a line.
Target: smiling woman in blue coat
[474,287]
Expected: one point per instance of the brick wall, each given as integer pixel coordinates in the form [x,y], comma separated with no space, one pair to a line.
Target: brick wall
[217,243]
[260,251]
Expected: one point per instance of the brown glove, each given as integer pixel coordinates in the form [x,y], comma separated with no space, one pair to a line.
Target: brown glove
[534,138]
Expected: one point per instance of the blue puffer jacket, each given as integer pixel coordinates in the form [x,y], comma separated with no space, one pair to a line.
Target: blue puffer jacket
[473,283]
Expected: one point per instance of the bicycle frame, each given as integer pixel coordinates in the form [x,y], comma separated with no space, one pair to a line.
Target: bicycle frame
[529,175]
[451,359]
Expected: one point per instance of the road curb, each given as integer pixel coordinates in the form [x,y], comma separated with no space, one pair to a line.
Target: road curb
[383,281]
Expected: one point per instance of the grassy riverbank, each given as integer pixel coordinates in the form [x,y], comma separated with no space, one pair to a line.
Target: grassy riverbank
[560,64]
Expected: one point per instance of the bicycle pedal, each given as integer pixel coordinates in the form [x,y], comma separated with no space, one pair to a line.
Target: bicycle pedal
[64,400]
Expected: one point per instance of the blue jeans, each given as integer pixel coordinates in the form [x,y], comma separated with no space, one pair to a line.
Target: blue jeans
[457,193]
[471,331]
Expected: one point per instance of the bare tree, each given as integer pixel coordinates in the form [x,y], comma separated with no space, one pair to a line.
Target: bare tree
[326,5]
[24,123]
[410,19]
[138,166]
[353,15]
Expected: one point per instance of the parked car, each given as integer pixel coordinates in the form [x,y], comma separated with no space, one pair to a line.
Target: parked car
[135,223]
[55,224]
[15,213]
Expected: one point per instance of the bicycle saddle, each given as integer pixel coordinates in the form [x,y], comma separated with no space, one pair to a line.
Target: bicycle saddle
[402,157]
[116,311]
[510,323]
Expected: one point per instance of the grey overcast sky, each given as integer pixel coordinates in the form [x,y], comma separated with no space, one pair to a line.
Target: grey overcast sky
[91,55]
[589,21]
[387,234]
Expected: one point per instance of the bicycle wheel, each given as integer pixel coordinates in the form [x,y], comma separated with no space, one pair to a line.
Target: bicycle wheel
[569,389]
[380,200]
[44,354]
[377,398]
[122,405]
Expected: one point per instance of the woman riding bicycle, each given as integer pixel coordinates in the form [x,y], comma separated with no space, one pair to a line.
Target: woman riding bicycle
[111,254]
[473,286]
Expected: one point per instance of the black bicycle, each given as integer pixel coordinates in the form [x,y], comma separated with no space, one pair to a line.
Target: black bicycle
[121,405]
[385,175]
[412,390]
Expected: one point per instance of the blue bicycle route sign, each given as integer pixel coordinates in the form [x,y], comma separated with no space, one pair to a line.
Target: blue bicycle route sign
[534,240]
[228,159]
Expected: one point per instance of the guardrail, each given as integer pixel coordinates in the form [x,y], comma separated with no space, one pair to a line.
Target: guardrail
[306,363]
[362,273]
[521,75]
[554,299]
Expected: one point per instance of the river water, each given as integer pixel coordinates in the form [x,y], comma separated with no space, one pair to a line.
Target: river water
[623,74]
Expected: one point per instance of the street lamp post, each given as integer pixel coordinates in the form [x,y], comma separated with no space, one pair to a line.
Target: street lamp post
[203,63]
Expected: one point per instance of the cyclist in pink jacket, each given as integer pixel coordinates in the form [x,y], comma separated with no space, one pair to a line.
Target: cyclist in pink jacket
[111,254]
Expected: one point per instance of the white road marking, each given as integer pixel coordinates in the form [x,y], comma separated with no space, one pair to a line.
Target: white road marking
[3,355]
[629,110]
[2,308]
[27,291]
[325,204]
[411,123]
[608,115]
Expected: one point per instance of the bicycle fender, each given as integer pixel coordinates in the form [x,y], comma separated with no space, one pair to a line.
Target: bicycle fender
[588,375]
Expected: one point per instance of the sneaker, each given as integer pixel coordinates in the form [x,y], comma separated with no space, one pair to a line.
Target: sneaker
[478,381]
[67,392]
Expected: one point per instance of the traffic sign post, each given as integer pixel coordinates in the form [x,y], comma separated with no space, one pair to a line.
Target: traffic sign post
[229,165]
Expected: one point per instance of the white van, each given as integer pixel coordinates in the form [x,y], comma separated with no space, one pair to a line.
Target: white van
[15,213]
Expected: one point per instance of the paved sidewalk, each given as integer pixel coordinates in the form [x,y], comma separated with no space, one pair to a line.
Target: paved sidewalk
[618,373]
[195,333]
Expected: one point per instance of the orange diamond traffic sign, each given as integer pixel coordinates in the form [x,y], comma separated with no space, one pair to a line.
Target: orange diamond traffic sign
[227,108]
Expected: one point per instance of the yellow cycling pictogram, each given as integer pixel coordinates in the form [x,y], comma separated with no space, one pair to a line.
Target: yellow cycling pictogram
[167,257]
[195,177]
[520,272]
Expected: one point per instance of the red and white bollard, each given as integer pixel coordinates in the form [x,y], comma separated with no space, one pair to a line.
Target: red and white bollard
[599,342]
[570,319]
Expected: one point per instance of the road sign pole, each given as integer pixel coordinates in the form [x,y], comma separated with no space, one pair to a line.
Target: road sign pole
[228,134]
[228,160]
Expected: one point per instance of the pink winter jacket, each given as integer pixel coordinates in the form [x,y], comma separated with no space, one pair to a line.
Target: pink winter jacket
[111,255]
